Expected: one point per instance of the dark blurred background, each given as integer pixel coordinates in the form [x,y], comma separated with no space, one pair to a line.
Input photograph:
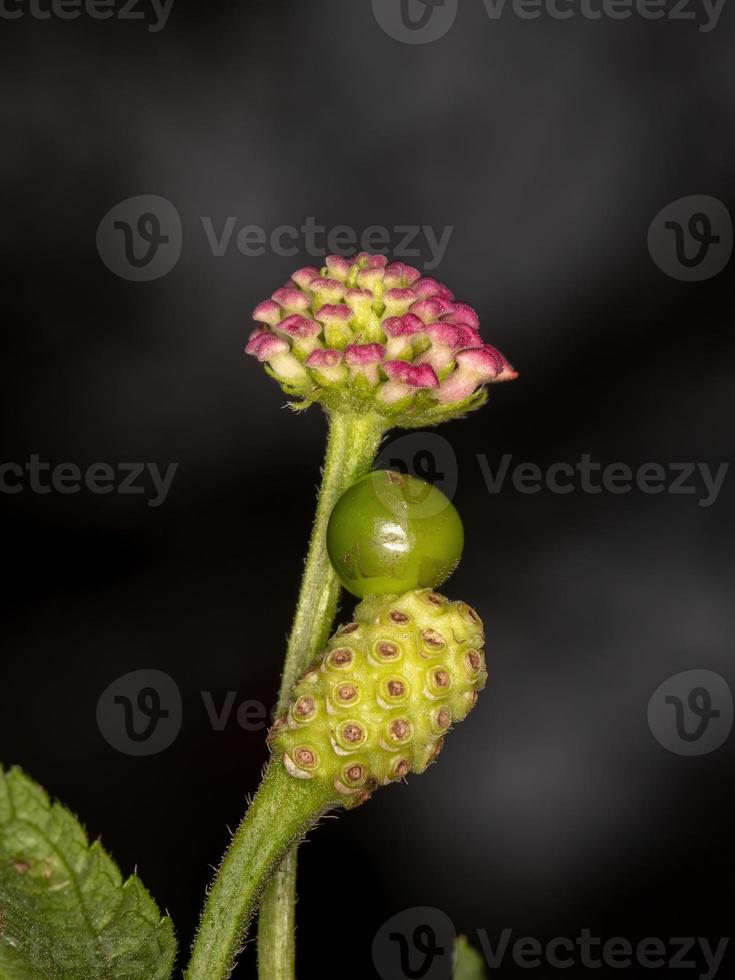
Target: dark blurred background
[548,147]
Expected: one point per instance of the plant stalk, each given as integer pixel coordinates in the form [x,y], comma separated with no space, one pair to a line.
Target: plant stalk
[281,813]
[352,443]
[284,808]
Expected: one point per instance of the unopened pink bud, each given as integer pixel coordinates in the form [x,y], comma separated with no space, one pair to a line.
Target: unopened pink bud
[364,353]
[303,332]
[397,301]
[324,358]
[399,330]
[466,336]
[364,359]
[372,279]
[399,275]
[277,352]
[338,267]
[507,371]
[432,308]
[256,339]
[302,277]
[462,313]
[327,290]
[328,365]
[404,379]
[445,334]
[334,313]
[399,371]
[267,346]
[291,299]
[335,319]
[446,340]
[475,366]
[427,287]
[297,325]
[267,312]
[398,337]
[361,303]
[403,326]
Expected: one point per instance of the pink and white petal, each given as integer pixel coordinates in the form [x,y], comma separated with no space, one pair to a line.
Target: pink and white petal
[267,312]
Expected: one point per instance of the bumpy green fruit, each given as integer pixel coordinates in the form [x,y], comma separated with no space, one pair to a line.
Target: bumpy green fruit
[379,700]
[389,533]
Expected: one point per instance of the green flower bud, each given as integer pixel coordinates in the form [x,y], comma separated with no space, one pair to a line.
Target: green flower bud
[386,690]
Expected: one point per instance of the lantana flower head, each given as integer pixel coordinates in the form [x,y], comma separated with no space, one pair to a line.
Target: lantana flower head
[364,334]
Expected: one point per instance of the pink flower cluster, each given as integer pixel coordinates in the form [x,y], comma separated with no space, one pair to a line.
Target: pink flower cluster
[364,329]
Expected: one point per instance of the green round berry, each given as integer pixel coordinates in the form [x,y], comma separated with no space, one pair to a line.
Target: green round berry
[390,533]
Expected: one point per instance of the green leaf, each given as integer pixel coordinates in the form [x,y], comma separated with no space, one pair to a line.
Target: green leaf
[469,965]
[65,911]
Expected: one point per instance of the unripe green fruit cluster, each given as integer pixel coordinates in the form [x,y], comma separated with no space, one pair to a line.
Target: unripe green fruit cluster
[378,702]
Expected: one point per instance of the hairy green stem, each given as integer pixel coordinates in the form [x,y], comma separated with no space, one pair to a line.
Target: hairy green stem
[352,443]
[351,447]
[281,813]
[284,808]
[277,923]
